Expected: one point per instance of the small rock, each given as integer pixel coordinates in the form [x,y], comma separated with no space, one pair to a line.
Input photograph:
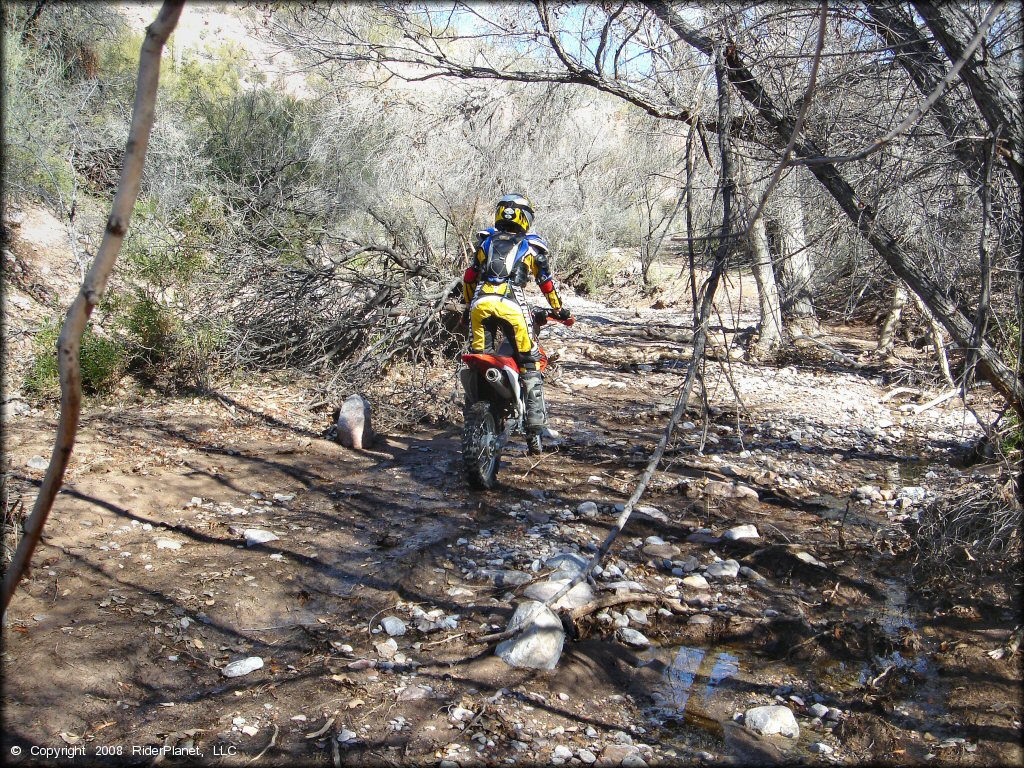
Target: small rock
[818,710]
[700,537]
[615,754]
[393,625]
[37,462]
[724,490]
[821,748]
[700,619]
[242,667]
[634,638]
[504,578]
[651,512]
[661,551]
[414,693]
[728,569]
[869,492]
[751,574]
[628,586]
[690,564]
[633,761]
[386,649]
[694,581]
[586,756]
[587,509]
[772,719]
[345,736]
[254,536]
[562,752]
[636,615]
[806,557]
[168,544]
[742,532]
[834,713]
[656,540]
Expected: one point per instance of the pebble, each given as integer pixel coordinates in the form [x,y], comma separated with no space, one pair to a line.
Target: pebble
[168,544]
[729,569]
[587,509]
[700,619]
[242,667]
[254,536]
[636,615]
[387,649]
[393,625]
[695,581]
[586,756]
[821,748]
[742,532]
[562,752]
[37,462]
[633,637]
[345,736]
[818,710]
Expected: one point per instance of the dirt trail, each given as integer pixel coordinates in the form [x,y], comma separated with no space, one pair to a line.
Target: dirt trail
[145,588]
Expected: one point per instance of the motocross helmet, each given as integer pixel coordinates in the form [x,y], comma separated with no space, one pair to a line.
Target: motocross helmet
[513,214]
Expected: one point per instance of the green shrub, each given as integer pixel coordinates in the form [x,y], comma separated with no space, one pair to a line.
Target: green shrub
[103,363]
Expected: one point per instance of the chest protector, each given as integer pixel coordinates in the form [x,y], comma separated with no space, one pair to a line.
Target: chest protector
[504,262]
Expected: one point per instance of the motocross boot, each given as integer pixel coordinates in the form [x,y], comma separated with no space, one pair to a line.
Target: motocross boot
[468,378]
[536,412]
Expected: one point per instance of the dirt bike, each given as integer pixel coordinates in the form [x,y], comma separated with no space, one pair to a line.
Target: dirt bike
[496,406]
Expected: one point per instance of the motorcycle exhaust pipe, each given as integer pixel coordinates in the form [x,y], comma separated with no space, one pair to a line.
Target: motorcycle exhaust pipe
[497,382]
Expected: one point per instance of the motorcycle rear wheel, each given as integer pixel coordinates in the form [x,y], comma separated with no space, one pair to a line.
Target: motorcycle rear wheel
[480,453]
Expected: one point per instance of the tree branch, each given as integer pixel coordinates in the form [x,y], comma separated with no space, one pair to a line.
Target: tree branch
[69,342]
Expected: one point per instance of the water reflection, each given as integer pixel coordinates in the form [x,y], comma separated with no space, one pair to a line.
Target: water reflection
[686,668]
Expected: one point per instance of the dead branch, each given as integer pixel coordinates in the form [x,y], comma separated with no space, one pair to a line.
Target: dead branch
[69,342]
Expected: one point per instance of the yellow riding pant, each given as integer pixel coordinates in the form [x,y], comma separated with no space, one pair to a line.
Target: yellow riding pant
[489,311]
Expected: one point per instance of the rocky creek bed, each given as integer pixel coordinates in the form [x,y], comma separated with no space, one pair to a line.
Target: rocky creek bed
[768,567]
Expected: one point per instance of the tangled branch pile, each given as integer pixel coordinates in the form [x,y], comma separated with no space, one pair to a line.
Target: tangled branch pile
[974,531]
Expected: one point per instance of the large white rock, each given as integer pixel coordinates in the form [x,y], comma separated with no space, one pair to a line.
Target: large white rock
[772,719]
[354,428]
[577,597]
[538,640]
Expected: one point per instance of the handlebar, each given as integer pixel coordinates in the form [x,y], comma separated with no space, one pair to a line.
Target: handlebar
[542,316]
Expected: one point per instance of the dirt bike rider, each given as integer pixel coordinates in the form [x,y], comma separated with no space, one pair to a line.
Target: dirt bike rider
[493,288]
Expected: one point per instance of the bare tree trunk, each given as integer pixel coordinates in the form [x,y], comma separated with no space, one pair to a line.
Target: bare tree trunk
[795,264]
[936,338]
[918,57]
[991,85]
[69,342]
[1006,381]
[769,336]
[887,333]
